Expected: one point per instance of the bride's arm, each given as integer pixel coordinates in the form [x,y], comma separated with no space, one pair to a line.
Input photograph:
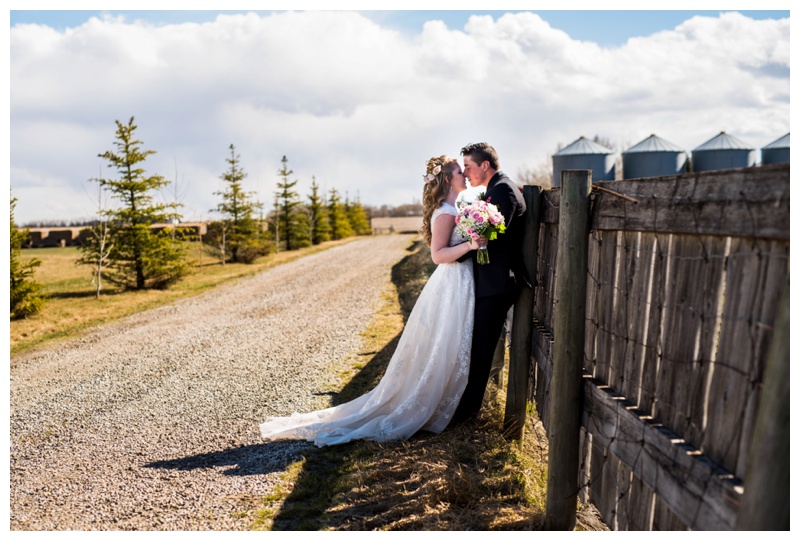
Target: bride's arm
[441,252]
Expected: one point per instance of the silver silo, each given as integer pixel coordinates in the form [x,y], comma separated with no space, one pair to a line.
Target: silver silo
[776,151]
[584,153]
[653,157]
[723,151]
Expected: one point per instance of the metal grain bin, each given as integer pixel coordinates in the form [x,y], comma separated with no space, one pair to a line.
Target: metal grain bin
[584,154]
[776,151]
[653,157]
[723,151]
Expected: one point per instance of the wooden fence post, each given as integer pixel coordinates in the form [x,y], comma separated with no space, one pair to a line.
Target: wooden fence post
[566,386]
[765,503]
[519,363]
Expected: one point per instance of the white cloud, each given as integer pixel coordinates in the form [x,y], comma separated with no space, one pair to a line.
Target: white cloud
[361,107]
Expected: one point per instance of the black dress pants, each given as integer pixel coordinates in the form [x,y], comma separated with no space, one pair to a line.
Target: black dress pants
[490,315]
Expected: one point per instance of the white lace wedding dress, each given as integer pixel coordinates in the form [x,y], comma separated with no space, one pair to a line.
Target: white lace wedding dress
[425,377]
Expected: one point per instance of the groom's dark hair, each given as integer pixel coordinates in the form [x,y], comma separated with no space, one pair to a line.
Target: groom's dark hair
[482,152]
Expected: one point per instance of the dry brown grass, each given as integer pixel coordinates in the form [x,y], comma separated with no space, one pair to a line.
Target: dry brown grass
[467,478]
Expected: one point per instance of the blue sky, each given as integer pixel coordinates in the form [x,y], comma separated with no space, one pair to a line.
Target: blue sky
[604,27]
[359,100]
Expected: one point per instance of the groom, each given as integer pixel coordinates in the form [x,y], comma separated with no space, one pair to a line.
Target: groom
[496,283]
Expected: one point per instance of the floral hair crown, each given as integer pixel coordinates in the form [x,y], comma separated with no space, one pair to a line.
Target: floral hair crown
[432,175]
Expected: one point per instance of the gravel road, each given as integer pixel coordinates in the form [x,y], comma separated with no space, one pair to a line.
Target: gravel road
[152,423]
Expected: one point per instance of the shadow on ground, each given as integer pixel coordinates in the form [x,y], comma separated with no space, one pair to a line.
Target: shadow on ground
[246,460]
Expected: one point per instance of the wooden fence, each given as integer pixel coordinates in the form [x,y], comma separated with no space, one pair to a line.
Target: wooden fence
[684,276]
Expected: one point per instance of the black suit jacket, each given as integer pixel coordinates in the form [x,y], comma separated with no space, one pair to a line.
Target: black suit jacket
[505,252]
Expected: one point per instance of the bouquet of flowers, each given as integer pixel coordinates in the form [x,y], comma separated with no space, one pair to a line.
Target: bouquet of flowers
[480,219]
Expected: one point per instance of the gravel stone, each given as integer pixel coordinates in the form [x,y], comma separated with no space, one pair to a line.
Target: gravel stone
[152,423]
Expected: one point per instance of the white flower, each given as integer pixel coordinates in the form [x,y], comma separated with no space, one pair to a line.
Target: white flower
[429,177]
[437,169]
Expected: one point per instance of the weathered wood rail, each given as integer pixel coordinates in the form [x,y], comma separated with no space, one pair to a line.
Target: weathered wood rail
[682,292]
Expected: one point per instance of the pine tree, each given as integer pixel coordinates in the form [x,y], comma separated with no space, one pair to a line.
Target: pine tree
[292,227]
[340,225]
[357,217]
[318,214]
[238,209]
[141,258]
[301,233]
[25,294]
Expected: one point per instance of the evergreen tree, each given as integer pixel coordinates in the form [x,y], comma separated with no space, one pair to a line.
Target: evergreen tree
[238,209]
[340,225]
[301,234]
[141,258]
[25,295]
[359,222]
[318,215]
[292,227]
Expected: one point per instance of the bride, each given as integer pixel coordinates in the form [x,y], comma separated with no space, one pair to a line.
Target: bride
[427,374]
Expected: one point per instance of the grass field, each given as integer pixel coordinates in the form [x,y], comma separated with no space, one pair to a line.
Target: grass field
[72,306]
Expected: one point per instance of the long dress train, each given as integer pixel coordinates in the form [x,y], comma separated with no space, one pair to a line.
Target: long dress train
[425,378]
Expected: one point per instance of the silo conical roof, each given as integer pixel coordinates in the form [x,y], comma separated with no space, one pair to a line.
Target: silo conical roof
[654,144]
[581,146]
[783,142]
[724,141]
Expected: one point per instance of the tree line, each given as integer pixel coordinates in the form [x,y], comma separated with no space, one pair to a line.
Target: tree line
[125,250]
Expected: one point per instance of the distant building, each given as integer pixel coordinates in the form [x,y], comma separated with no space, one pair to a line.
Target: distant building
[723,151]
[776,151]
[653,157]
[584,153]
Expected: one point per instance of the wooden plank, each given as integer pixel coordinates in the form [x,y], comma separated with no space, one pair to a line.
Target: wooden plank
[740,358]
[765,505]
[546,276]
[701,493]
[624,374]
[569,325]
[658,246]
[607,293]
[521,331]
[592,302]
[542,353]
[622,483]
[664,520]
[748,202]
[551,277]
[708,305]
[618,328]
[552,202]
[637,314]
[773,257]
[602,494]
[640,506]
[681,386]
[586,466]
